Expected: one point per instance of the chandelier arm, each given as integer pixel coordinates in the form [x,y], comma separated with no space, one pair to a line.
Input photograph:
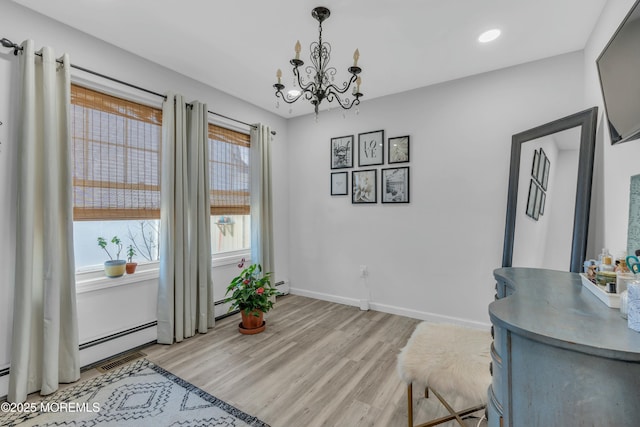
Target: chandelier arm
[304,86]
[346,87]
[346,103]
[287,99]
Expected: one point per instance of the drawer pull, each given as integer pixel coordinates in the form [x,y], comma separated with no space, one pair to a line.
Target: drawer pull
[491,368]
[493,333]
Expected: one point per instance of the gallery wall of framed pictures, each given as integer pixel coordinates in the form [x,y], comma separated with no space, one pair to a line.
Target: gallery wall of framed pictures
[538,185]
[372,151]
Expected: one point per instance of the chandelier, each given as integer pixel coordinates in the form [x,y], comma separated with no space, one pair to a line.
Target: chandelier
[320,77]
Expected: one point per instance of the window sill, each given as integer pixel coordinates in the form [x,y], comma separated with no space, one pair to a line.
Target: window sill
[88,281]
[232,257]
[93,280]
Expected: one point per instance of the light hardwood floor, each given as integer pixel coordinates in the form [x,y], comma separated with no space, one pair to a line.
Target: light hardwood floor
[317,364]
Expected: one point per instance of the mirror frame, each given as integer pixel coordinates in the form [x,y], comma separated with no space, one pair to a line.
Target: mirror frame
[587,121]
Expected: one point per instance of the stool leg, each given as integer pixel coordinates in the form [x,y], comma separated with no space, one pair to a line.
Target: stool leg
[410,404]
[449,408]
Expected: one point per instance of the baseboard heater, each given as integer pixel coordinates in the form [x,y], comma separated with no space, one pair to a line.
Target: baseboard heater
[121,334]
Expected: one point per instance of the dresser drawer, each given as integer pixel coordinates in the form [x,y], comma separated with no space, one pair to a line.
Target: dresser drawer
[497,381]
[499,336]
[494,412]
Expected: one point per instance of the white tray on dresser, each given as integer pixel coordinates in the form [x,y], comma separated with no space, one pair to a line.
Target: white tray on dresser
[611,300]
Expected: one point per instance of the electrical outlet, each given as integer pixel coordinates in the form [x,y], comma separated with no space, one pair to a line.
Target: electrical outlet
[363,271]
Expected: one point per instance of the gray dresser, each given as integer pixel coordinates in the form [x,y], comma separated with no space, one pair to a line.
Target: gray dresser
[560,357]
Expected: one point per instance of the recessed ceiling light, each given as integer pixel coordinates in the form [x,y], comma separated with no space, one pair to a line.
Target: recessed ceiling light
[293,92]
[489,36]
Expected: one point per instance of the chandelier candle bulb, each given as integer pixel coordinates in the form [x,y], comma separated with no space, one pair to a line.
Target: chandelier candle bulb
[279,75]
[356,56]
[298,48]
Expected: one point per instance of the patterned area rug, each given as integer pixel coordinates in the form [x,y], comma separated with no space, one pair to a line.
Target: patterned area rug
[138,394]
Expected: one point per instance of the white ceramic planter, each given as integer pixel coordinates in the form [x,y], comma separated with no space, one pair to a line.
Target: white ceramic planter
[114,268]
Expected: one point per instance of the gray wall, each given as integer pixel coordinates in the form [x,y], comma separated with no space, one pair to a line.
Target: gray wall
[432,258]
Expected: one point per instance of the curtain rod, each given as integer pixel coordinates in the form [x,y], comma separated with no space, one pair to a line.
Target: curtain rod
[16,48]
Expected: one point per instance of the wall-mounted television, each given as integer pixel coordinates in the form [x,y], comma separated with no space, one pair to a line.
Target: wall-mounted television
[619,70]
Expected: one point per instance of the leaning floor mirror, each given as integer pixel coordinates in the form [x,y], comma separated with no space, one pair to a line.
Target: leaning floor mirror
[549,194]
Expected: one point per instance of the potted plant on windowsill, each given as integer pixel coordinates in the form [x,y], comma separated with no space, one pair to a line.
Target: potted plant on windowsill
[131,266]
[113,267]
[251,293]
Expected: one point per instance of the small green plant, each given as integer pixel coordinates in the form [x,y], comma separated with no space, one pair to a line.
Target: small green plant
[131,252]
[102,242]
[251,290]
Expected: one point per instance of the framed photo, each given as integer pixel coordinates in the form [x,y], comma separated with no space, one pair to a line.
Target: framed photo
[536,164]
[364,188]
[339,183]
[531,200]
[543,161]
[395,185]
[545,173]
[342,152]
[398,149]
[543,201]
[536,207]
[371,148]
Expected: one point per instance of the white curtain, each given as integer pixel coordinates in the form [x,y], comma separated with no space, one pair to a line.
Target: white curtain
[185,293]
[44,347]
[261,200]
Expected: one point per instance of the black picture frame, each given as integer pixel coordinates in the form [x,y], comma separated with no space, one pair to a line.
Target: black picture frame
[339,183]
[536,207]
[531,199]
[342,152]
[398,149]
[371,148]
[536,164]
[545,173]
[394,185]
[543,161]
[364,186]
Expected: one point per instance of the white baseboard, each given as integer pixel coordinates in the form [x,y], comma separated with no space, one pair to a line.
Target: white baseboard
[108,349]
[325,297]
[386,308]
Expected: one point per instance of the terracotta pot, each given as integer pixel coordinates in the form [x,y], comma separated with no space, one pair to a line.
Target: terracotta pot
[131,267]
[251,321]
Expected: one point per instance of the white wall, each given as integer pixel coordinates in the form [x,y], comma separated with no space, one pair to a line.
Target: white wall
[614,164]
[432,258]
[561,202]
[102,312]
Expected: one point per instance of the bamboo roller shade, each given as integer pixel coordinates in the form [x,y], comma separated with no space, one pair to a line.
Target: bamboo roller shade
[117,155]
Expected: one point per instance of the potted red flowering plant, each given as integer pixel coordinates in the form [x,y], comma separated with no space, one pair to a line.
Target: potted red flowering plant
[251,293]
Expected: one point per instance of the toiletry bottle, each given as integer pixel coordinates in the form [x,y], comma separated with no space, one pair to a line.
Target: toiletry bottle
[605,252]
[607,264]
[621,266]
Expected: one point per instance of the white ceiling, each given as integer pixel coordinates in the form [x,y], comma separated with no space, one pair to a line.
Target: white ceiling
[237,46]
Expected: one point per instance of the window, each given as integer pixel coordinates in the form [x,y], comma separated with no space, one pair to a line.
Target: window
[229,186]
[116,178]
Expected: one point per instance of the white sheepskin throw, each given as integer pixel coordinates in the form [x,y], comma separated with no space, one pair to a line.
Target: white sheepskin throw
[451,359]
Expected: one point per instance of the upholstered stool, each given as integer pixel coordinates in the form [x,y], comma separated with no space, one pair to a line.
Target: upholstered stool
[449,360]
